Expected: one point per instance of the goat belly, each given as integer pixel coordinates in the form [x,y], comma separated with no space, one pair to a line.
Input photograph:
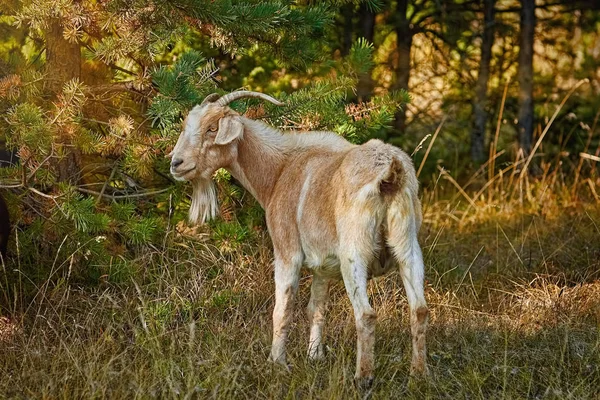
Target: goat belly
[329,267]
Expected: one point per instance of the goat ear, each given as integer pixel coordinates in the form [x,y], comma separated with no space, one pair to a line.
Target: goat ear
[230,128]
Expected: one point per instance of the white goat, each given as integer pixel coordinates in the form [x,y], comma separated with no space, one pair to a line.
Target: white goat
[342,210]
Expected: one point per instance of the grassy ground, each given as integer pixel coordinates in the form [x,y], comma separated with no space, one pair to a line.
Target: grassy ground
[513,286]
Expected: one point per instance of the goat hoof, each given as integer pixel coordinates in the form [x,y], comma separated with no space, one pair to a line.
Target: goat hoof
[317,355]
[281,364]
[419,371]
[364,384]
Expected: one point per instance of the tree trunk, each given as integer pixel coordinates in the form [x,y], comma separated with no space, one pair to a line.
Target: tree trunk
[366,28]
[404,35]
[347,14]
[63,59]
[480,115]
[525,125]
[63,63]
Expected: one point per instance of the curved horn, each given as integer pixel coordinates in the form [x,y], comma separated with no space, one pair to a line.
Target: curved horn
[211,98]
[228,98]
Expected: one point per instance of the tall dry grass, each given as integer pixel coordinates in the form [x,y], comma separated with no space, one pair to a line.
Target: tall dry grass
[513,283]
[515,313]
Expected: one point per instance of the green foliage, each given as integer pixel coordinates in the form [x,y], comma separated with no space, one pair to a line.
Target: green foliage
[177,82]
[87,141]
[140,230]
[360,59]
[164,112]
[180,86]
[289,33]
[229,235]
[225,300]
[122,211]
[28,128]
[81,212]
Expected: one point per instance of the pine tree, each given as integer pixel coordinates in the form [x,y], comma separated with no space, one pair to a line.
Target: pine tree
[99,97]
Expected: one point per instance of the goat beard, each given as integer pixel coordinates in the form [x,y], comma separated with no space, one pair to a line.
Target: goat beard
[204,201]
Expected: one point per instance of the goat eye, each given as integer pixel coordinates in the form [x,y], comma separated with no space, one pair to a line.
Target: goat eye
[213,128]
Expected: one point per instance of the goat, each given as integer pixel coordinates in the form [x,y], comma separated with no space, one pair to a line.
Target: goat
[342,210]
[4,228]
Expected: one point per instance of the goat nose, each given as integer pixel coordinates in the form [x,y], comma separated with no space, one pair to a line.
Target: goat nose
[176,162]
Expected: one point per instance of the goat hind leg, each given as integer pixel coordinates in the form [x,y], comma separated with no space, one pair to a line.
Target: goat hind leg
[403,227]
[354,273]
[413,279]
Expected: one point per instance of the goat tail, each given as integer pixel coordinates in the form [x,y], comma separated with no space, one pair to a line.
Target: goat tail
[399,189]
[392,180]
[398,183]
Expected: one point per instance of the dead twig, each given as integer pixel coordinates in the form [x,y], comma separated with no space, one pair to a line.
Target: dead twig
[124,196]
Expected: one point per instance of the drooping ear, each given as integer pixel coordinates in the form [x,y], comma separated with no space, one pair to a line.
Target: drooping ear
[230,128]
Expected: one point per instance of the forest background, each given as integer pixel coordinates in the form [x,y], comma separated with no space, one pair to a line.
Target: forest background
[107,292]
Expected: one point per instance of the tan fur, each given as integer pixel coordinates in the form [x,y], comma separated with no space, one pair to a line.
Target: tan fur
[342,210]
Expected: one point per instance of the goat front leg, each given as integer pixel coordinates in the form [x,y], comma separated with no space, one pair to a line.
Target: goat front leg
[287,273]
[354,273]
[319,293]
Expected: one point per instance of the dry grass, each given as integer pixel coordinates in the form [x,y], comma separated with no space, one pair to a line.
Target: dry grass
[513,284]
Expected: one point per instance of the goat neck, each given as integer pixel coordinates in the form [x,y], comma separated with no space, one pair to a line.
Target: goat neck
[261,154]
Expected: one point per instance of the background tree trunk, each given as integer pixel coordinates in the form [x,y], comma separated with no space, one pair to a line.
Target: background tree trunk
[525,71]
[63,63]
[480,115]
[366,28]
[63,58]
[347,14]
[404,35]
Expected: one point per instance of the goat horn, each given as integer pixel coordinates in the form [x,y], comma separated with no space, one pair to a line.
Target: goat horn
[228,98]
[211,98]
